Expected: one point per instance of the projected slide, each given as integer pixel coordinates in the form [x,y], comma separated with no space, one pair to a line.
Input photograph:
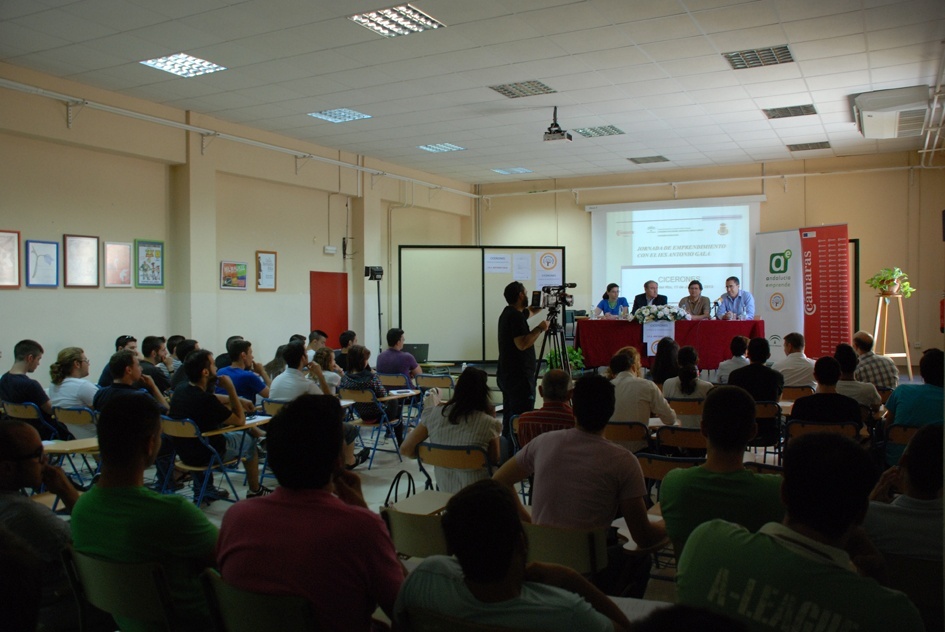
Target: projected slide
[673,246]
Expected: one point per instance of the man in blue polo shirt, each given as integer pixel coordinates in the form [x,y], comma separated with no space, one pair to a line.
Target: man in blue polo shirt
[248,376]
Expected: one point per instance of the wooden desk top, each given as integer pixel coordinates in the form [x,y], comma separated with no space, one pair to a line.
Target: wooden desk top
[71,447]
[398,394]
[258,420]
[633,547]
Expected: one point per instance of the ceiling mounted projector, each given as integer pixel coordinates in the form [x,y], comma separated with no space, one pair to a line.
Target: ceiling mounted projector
[554,130]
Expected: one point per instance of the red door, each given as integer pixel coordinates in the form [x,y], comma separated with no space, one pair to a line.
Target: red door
[328,297]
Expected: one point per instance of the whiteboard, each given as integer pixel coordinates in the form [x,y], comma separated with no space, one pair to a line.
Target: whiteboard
[451,296]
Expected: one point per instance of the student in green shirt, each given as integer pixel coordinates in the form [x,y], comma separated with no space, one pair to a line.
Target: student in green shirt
[119,519]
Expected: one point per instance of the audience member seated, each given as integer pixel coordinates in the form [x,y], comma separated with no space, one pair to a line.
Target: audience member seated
[276,366]
[878,370]
[722,487]
[248,376]
[347,339]
[468,418]
[317,339]
[738,346]
[555,413]
[826,404]
[687,385]
[193,401]
[665,362]
[69,390]
[359,376]
[154,353]
[292,383]
[764,383]
[122,343]
[325,358]
[23,464]
[910,524]
[18,387]
[917,404]
[394,359]
[325,544]
[797,572]
[223,360]
[583,480]
[488,582]
[184,348]
[797,368]
[125,369]
[171,361]
[636,399]
[864,393]
[121,520]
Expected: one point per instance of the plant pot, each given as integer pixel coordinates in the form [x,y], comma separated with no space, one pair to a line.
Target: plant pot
[892,289]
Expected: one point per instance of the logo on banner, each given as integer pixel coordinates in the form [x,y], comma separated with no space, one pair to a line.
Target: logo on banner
[778,263]
[548,261]
[776,301]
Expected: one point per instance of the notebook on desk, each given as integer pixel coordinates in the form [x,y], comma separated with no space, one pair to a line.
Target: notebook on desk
[420,351]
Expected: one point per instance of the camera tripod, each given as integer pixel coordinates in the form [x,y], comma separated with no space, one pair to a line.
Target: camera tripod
[555,335]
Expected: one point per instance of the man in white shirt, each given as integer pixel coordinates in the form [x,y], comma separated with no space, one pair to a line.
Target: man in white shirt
[797,368]
[864,393]
[738,347]
[637,399]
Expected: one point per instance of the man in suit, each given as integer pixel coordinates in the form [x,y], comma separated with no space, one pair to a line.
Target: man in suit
[650,296]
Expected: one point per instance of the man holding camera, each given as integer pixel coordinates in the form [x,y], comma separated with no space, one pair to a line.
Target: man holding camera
[516,369]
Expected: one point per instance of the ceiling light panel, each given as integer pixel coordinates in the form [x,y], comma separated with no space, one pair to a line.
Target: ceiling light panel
[183,65]
[790,111]
[758,57]
[523,89]
[594,132]
[441,147]
[809,146]
[340,115]
[645,160]
[402,19]
[512,171]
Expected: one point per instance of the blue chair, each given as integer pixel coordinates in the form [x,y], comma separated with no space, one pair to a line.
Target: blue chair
[188,429]
[413,406]
[384,424]
[33,415]
[79,416]
[457,457]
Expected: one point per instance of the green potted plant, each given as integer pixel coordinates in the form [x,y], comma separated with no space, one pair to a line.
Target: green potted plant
[891,282]
[575,358]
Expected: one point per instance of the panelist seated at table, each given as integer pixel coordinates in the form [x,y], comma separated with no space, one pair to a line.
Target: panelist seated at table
[696,306]
[736,303]
[650,296]
[612,305]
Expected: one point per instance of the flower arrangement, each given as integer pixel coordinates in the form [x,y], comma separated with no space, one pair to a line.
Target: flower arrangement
[649,313]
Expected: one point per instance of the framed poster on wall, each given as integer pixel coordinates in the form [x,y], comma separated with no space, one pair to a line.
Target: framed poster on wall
[233,275]
[42,263]
[149,263]
[265,271]
[9,259]
[80,253]
[118,264]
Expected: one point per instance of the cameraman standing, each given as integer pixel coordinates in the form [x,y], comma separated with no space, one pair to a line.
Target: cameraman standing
[516,370]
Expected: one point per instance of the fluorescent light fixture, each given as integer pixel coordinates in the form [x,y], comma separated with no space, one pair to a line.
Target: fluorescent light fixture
[809,146]
[403,19]
[594,132]
[758,57]
[183,65]
[441,147]
[512,171]
[523,89]
[340,115]
[645,160]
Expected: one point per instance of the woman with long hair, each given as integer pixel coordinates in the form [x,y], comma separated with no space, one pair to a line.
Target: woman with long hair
[325,358]
[69,390]
[665,364]
[687,385]
[468,418]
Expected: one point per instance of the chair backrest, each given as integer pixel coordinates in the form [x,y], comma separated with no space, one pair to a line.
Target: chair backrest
[76,416]
[584,550]
[900,435]
[179,428]
[884,393]
[794,393]
[656,466]
[423,620]
[526,430]
[425,381]
[764,468]
[415,535]
[678,437]
[686,406]
[134,591]
[236,610]
[798,427]
[626,431]
[394,380]
[273,406]
[921,580]
[767,410]
[457,457]
[26,411]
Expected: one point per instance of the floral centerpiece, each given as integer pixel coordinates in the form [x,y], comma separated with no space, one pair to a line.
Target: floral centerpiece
[650,313]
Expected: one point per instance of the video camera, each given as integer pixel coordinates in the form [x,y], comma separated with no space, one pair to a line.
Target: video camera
[555,296]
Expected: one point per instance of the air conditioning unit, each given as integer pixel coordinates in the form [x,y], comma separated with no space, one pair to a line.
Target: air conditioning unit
[897,113]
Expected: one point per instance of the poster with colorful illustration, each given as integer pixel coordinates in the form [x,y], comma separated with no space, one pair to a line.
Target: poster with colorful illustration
[149,263]
[233,275]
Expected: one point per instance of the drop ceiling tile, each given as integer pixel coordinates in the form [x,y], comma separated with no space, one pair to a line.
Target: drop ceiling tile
[744,39]
[774,88]
[903,35]
[678,49]
[831,47]
[573,17]
[613,58]
[592,40]
[176,9]
[904,54]
[645,72]
[902,14]
[906,75]
[725,107]
[740,16]
[833,65]
[825,27]
[622,11]
[838,81]
[661,29]
[116,14]
[62,25]
[719,94]
[11,9]
[20,40]
[697,66]
[722,79]
[793,10]
[765,74]
[497,30]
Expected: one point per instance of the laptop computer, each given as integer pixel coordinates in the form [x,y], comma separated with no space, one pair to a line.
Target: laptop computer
[420,351]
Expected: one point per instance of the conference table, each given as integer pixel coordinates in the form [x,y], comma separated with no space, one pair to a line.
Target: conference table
[600,339]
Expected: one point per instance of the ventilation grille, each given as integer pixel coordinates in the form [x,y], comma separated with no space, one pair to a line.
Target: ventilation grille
[523,89]
[594,132]
[911,123]
[644,160]
[809,146]
[788,112]
[757,57]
